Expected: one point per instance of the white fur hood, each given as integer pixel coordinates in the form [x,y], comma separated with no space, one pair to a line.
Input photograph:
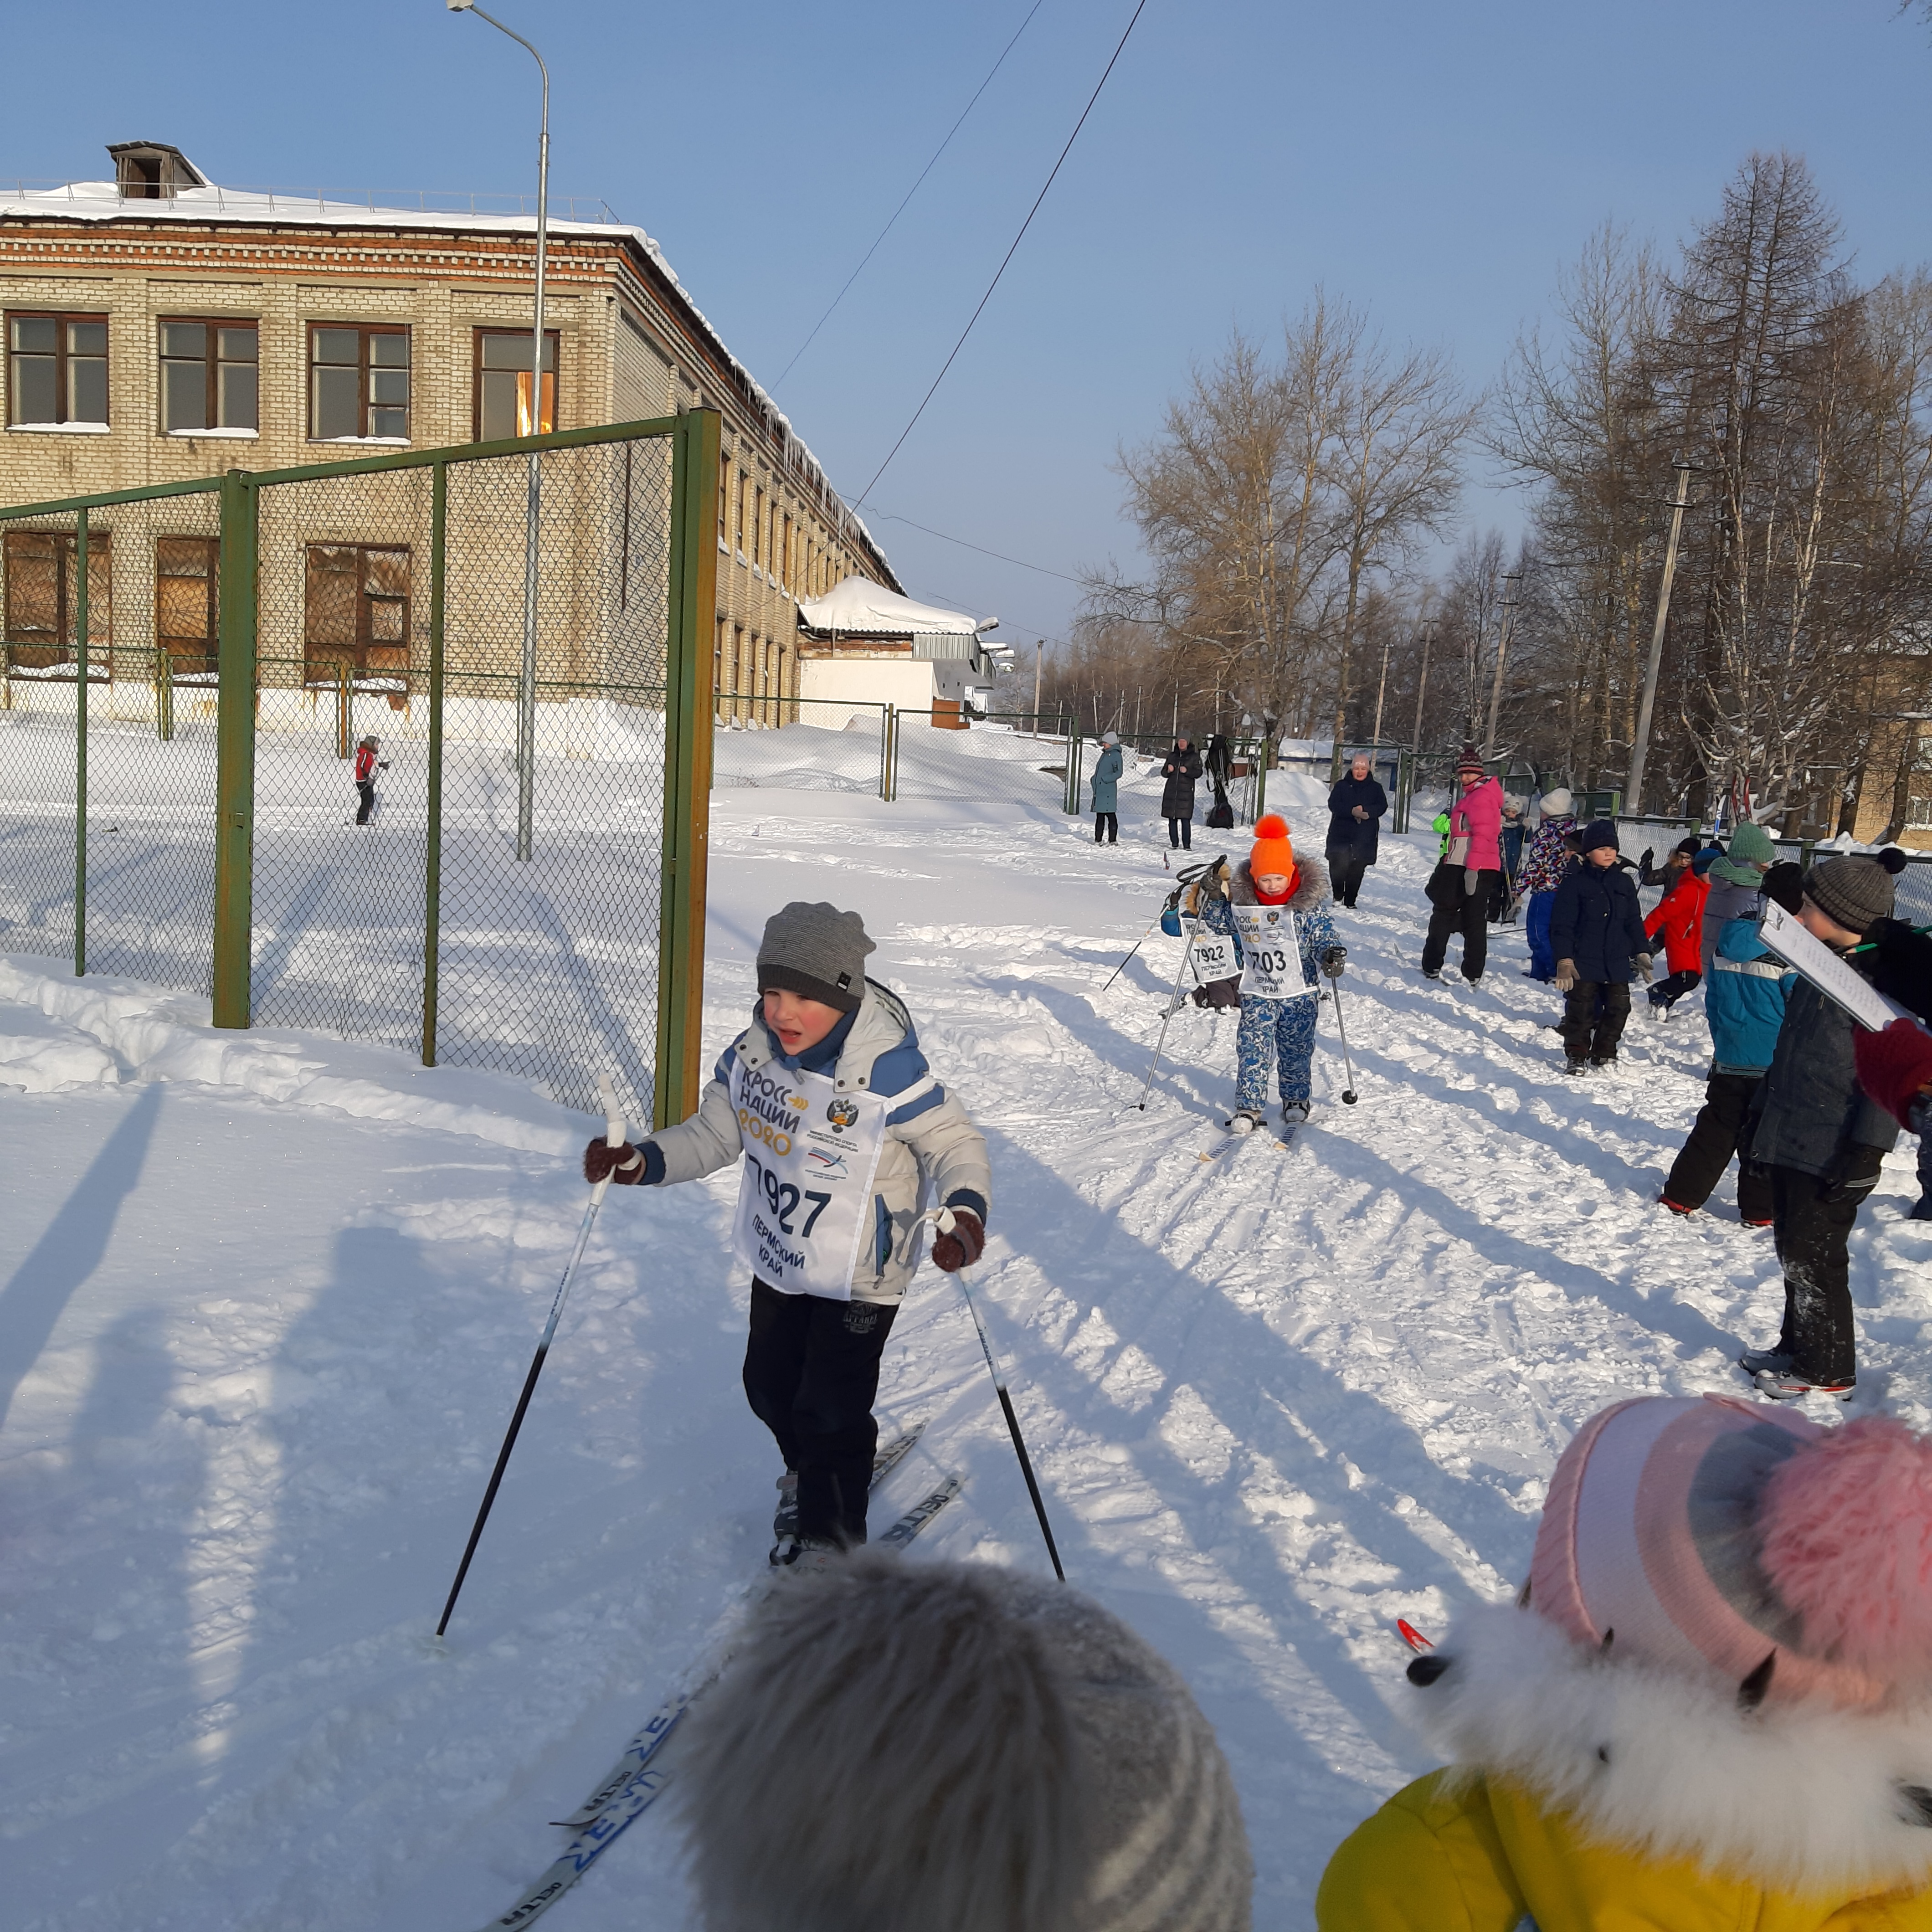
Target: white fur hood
[1800,1797]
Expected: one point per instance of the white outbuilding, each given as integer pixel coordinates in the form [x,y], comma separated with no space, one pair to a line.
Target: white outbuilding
[861,646]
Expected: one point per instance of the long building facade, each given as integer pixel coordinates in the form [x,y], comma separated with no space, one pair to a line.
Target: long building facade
[158,327]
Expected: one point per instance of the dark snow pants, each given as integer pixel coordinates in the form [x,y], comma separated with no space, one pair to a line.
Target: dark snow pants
[365,790]
[1666,993]
[1107,823]
[1536,925]
[812,1369]
[1811,1234]
[1345,870]
[1715,1135]
[1452,909]
[1594,1013]
[1180,833]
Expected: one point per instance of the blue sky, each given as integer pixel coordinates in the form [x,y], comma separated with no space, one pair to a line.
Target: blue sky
[1437,162]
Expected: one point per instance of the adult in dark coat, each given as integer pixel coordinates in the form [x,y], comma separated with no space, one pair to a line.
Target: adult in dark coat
[1355,805]
[1182,768]
[1596,932]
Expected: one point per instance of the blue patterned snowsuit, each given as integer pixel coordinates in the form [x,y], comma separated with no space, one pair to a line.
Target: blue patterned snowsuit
[1280,1030]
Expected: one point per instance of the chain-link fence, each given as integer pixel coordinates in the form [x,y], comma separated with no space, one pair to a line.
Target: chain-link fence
[107,783]
[385,795]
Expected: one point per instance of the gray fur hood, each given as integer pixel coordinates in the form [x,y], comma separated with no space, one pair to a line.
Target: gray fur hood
[1311,889]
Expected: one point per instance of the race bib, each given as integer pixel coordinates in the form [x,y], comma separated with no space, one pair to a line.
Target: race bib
[1214,956]
[804,1197]
[1271,948]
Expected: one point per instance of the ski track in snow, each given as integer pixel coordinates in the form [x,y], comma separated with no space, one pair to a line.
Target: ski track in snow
[263,1314]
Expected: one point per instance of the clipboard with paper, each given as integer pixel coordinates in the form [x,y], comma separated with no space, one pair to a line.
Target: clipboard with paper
[1805,953]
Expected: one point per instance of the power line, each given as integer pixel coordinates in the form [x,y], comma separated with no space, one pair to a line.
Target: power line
[909,192]
[888,517]
[1002,269]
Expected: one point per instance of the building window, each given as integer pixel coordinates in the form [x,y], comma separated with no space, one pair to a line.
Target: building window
[502,388]
[356,608]
[56,369]
[758,532]
[186,573]
[723,501]
[358,382]
[209,375]
[784,556]
[42,585]
[744,497]
[718,683]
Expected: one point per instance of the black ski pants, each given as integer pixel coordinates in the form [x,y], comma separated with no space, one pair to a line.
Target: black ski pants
[1180,833]
[1594,1014]
[1345,870]
[1716,1134]
[1666,993]
[1811,1233]
[1107,823]
[365,790]
[1452,909]
[812,1369]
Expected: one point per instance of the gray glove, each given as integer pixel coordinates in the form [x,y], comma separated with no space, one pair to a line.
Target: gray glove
[1470,878]
[1643,968]
[1565,975]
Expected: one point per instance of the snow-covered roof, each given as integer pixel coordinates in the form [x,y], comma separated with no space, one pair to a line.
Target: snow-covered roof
[103,201]
[855,606]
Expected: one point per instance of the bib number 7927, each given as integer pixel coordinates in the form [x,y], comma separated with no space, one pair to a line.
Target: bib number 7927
[784,1200]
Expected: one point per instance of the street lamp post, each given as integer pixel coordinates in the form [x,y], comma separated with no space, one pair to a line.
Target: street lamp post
[1509,604]
[1640,750]
[527,683]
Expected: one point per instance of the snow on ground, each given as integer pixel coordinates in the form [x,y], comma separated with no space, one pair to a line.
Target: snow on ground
[266,1301]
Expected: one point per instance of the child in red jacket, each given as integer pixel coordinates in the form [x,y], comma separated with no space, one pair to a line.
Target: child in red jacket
[1679,917]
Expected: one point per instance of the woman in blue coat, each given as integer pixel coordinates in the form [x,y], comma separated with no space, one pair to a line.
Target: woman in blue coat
[1596,932]
[1106,797]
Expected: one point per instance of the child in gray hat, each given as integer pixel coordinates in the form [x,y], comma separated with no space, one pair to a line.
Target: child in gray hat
[1822,1140]
[841,1126]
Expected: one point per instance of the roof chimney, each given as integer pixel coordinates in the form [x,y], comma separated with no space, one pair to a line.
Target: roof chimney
[152,170]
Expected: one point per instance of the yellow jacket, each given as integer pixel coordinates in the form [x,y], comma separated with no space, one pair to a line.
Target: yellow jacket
[1470,1853]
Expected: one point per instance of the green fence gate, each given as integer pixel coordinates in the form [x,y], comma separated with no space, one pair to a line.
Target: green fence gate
[190,669]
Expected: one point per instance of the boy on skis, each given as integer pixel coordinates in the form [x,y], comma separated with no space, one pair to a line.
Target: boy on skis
[841,1127]
[1277,913]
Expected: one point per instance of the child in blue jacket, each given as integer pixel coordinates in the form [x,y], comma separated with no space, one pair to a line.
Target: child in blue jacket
[1743,1001]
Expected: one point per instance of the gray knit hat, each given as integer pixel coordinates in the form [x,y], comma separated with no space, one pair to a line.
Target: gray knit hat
[1856,892]
[817,951]
[954,1747]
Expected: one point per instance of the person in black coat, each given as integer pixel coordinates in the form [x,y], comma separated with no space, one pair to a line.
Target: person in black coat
[1596,932]
[1354,806]
[1177,798]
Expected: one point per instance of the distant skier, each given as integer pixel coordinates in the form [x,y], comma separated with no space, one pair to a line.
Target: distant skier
[1277,912]
[842,1128]
[367,764]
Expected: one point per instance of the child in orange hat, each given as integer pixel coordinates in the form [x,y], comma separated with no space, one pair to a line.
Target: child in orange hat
[1276,908]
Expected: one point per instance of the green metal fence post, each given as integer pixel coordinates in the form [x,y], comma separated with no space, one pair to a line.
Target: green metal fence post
[687,820]
[235,755]
[81,668]
[885,744]
[439,507]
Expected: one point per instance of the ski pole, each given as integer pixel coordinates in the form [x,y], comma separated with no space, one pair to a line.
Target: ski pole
[943,1219]
[1134,948]
[1332,962]
[613,1133]
[1167,1018]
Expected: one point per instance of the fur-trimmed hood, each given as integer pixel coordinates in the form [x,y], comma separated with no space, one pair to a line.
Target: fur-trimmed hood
[1311,886]
[1805,1797]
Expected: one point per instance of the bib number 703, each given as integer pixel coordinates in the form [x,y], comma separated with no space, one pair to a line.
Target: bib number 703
[784,1200]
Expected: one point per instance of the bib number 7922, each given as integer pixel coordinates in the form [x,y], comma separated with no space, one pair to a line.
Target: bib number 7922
[784,1200]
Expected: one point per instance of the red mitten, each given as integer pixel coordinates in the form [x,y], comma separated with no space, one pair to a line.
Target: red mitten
[624,1164]
[1893,1065]
[962,1244]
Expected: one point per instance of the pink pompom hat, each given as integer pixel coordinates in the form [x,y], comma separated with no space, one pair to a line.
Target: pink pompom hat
[1720,1537]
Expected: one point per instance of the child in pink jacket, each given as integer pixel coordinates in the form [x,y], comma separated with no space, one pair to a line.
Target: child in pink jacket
[1459,889]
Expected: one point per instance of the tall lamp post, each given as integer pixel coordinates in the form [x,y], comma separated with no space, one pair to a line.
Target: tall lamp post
[1640,750]
[526,684]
